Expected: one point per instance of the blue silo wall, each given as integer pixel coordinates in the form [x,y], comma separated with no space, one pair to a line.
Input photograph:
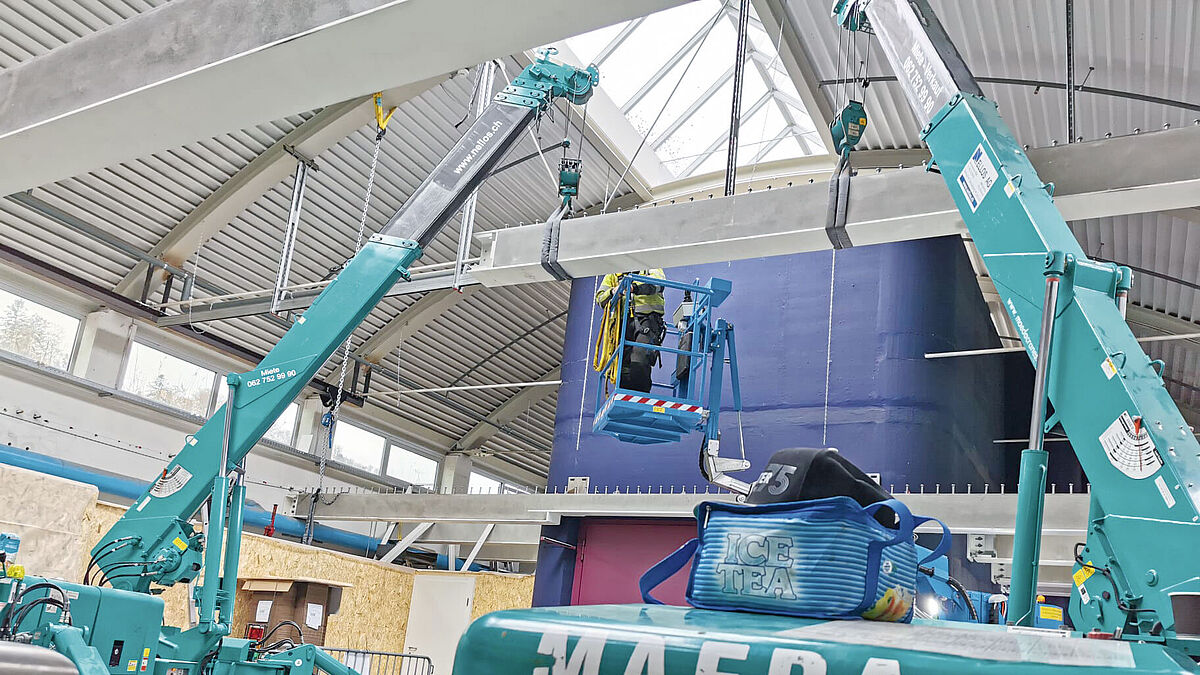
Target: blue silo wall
[890,410]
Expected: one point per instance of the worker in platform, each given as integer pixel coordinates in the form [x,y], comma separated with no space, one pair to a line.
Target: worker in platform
[645,326]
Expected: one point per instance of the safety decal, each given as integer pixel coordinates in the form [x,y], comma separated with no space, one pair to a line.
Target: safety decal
[171,481]
[1127,445]
[1083,573]
[658,403]
[977,177]
[1050,612]
[1108,367]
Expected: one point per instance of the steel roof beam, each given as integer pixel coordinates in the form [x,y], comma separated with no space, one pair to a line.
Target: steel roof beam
[314,136]
[201,311]
[410,321]
[194,69]
[1130,174]
[507,412]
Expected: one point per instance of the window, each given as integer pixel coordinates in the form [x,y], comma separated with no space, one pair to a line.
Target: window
[671,74]
[167,379]
[412,468]
[36,331]
[284,428]
[482,485]
[358,447]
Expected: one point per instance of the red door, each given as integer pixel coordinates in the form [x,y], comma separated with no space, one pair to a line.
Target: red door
[614,552]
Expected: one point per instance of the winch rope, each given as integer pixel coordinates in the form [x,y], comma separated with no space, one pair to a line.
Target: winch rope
[829,347]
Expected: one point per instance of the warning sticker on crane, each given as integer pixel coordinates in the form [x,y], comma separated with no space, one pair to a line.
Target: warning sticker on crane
[977,177]
[170,482]
[1128,447]
[1108,367]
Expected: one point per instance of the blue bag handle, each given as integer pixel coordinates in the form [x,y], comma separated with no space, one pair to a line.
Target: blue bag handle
[943,546]
[665,569]
[904,532]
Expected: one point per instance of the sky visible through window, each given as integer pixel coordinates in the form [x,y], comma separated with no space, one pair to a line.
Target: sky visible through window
[36,332]
[167,379]
[482,485]
[412,468]
[285,427]
[358,447]
[671,73]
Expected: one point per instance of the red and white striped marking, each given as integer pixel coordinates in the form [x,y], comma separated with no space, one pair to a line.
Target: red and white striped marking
[658,403]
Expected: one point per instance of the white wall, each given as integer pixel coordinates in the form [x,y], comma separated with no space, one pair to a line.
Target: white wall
[83,417]
[72,421]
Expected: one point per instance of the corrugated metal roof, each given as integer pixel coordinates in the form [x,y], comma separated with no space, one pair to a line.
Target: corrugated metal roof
[1136,47]
[140,201]
[1133,46]
[30,28]
[1148,49]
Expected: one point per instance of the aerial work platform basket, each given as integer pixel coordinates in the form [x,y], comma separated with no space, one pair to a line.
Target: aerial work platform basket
[694,398]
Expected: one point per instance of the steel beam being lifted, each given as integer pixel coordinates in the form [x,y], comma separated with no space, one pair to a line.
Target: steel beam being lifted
[193,69]
[1129,174]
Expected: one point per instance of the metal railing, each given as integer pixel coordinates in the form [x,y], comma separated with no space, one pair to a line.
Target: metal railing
[382,663]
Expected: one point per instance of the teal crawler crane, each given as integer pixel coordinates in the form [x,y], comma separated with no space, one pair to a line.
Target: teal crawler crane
[1136,602]
[118,629]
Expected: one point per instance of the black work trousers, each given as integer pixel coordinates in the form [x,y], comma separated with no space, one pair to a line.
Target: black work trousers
[638,362]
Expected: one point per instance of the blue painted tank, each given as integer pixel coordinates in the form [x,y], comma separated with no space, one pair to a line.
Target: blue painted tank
[891,411]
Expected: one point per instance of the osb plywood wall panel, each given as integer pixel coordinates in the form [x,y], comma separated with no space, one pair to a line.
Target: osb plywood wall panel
[495,591]
[46,512]
[374,611]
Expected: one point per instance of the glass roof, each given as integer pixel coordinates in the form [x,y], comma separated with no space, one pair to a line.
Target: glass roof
[671,74]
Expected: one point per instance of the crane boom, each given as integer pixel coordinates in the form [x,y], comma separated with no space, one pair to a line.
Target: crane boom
[1142,459]
[1136,577]
[154,537]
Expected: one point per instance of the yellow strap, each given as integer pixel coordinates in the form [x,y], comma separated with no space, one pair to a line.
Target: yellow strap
[380,118]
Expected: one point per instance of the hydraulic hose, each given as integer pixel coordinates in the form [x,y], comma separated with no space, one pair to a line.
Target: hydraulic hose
[958,588]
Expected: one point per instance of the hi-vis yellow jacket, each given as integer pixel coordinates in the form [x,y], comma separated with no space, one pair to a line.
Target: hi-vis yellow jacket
[643,303]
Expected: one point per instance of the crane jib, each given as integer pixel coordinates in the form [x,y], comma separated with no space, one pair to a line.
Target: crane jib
[167,545]
[1134,575]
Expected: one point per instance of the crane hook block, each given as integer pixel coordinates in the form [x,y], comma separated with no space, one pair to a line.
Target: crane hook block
[848,126]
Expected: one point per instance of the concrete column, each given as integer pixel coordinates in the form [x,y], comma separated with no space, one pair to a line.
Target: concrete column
[456,474]
[103,341]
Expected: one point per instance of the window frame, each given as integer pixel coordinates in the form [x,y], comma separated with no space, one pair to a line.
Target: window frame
[163,348]
[438,461]
[371,429]
[54,303]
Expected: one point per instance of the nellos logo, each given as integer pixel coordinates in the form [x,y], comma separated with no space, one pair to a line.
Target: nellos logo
[478,148]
